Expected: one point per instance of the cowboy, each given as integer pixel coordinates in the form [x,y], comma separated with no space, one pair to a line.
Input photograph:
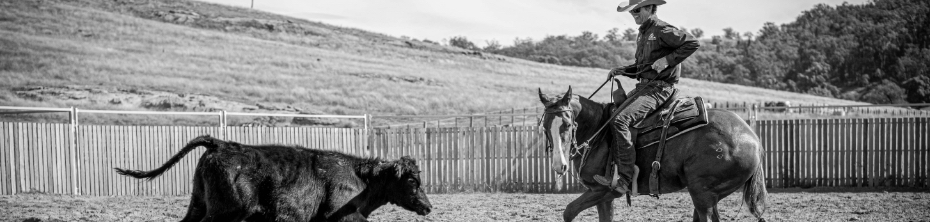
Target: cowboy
[660,48]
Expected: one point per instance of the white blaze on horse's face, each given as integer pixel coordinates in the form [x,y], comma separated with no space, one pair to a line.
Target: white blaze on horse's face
[560,128]
[560,145]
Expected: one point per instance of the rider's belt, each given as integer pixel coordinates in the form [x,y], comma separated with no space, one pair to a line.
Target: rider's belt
[657,83]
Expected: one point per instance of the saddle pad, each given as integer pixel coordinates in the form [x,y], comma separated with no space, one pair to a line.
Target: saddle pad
[689,115]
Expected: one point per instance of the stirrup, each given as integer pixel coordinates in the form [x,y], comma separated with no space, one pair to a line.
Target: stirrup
[602,180]
[612,181]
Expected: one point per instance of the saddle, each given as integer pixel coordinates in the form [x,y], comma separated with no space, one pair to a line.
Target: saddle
[689,114]
[673,118]
[683,115]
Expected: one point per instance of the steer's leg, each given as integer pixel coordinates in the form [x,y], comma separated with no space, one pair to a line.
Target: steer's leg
[355,217]
[197,208]
[226,200]
[235,216]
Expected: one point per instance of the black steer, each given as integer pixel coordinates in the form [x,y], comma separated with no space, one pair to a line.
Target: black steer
[236,182]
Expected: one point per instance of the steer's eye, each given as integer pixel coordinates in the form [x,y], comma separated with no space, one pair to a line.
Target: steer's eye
[412,182]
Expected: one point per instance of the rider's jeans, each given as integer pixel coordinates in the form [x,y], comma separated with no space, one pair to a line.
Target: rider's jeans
[643,100]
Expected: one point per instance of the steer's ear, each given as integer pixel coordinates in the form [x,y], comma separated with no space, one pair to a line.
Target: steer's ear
[407,160]
[390,167]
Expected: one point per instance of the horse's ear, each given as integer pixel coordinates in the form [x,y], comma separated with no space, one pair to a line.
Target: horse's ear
[543,98]
[567,97]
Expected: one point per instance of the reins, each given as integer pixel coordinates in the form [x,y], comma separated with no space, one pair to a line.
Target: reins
[602,86]
[598,132]
[575,149]
[583,149]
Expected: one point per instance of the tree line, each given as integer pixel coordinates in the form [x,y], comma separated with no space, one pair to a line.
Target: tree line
[877,52]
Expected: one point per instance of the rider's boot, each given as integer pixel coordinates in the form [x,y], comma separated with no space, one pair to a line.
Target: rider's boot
[622,176]
[612,172]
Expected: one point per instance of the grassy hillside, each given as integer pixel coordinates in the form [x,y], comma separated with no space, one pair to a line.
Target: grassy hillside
[256,59]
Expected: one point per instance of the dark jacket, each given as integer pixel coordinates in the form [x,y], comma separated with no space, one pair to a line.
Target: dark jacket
[659,40]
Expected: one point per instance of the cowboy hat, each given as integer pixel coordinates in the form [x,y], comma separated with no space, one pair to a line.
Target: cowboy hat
[634,4]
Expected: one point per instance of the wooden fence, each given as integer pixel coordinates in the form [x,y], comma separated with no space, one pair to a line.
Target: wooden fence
[480,159]
[37,157]
[874,152]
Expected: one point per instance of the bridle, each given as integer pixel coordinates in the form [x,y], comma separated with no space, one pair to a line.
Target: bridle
[573,125]
[574,150]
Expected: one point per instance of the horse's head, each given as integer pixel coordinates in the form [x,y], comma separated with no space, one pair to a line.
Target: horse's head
[559,125]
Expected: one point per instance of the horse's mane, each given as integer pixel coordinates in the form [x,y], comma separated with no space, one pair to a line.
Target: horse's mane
[591,116]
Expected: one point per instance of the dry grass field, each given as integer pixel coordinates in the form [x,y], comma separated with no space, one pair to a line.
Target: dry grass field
[249,57]
[795,206]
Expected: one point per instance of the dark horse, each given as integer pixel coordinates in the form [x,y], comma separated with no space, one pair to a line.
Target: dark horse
[712,161]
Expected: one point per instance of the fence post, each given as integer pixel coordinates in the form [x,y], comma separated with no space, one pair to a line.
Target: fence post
[500,119]
[368,135]
[223,123]
[752,116]
[512,117]
[536,117]
[73,119]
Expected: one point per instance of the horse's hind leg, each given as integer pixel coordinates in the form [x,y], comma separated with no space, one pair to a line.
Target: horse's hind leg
[709,215]
[705,206]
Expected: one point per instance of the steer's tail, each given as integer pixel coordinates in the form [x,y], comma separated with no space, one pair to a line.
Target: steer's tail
[206,141]
[754,193]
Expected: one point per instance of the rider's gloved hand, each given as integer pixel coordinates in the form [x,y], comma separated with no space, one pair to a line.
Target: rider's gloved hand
[615,71]
[628,71]
[660,64]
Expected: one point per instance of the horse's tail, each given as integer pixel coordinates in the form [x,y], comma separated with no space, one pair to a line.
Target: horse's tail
[206,141]
[754,193]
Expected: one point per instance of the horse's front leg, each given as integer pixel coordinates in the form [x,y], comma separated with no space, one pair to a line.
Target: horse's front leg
[587,200]
[605,210]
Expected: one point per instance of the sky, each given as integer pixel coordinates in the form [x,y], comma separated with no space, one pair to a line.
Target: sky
[481,21]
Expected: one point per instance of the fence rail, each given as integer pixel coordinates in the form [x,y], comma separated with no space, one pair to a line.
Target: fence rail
[871,152]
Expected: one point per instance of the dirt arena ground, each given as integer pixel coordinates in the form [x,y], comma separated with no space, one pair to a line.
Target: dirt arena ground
[782,206]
